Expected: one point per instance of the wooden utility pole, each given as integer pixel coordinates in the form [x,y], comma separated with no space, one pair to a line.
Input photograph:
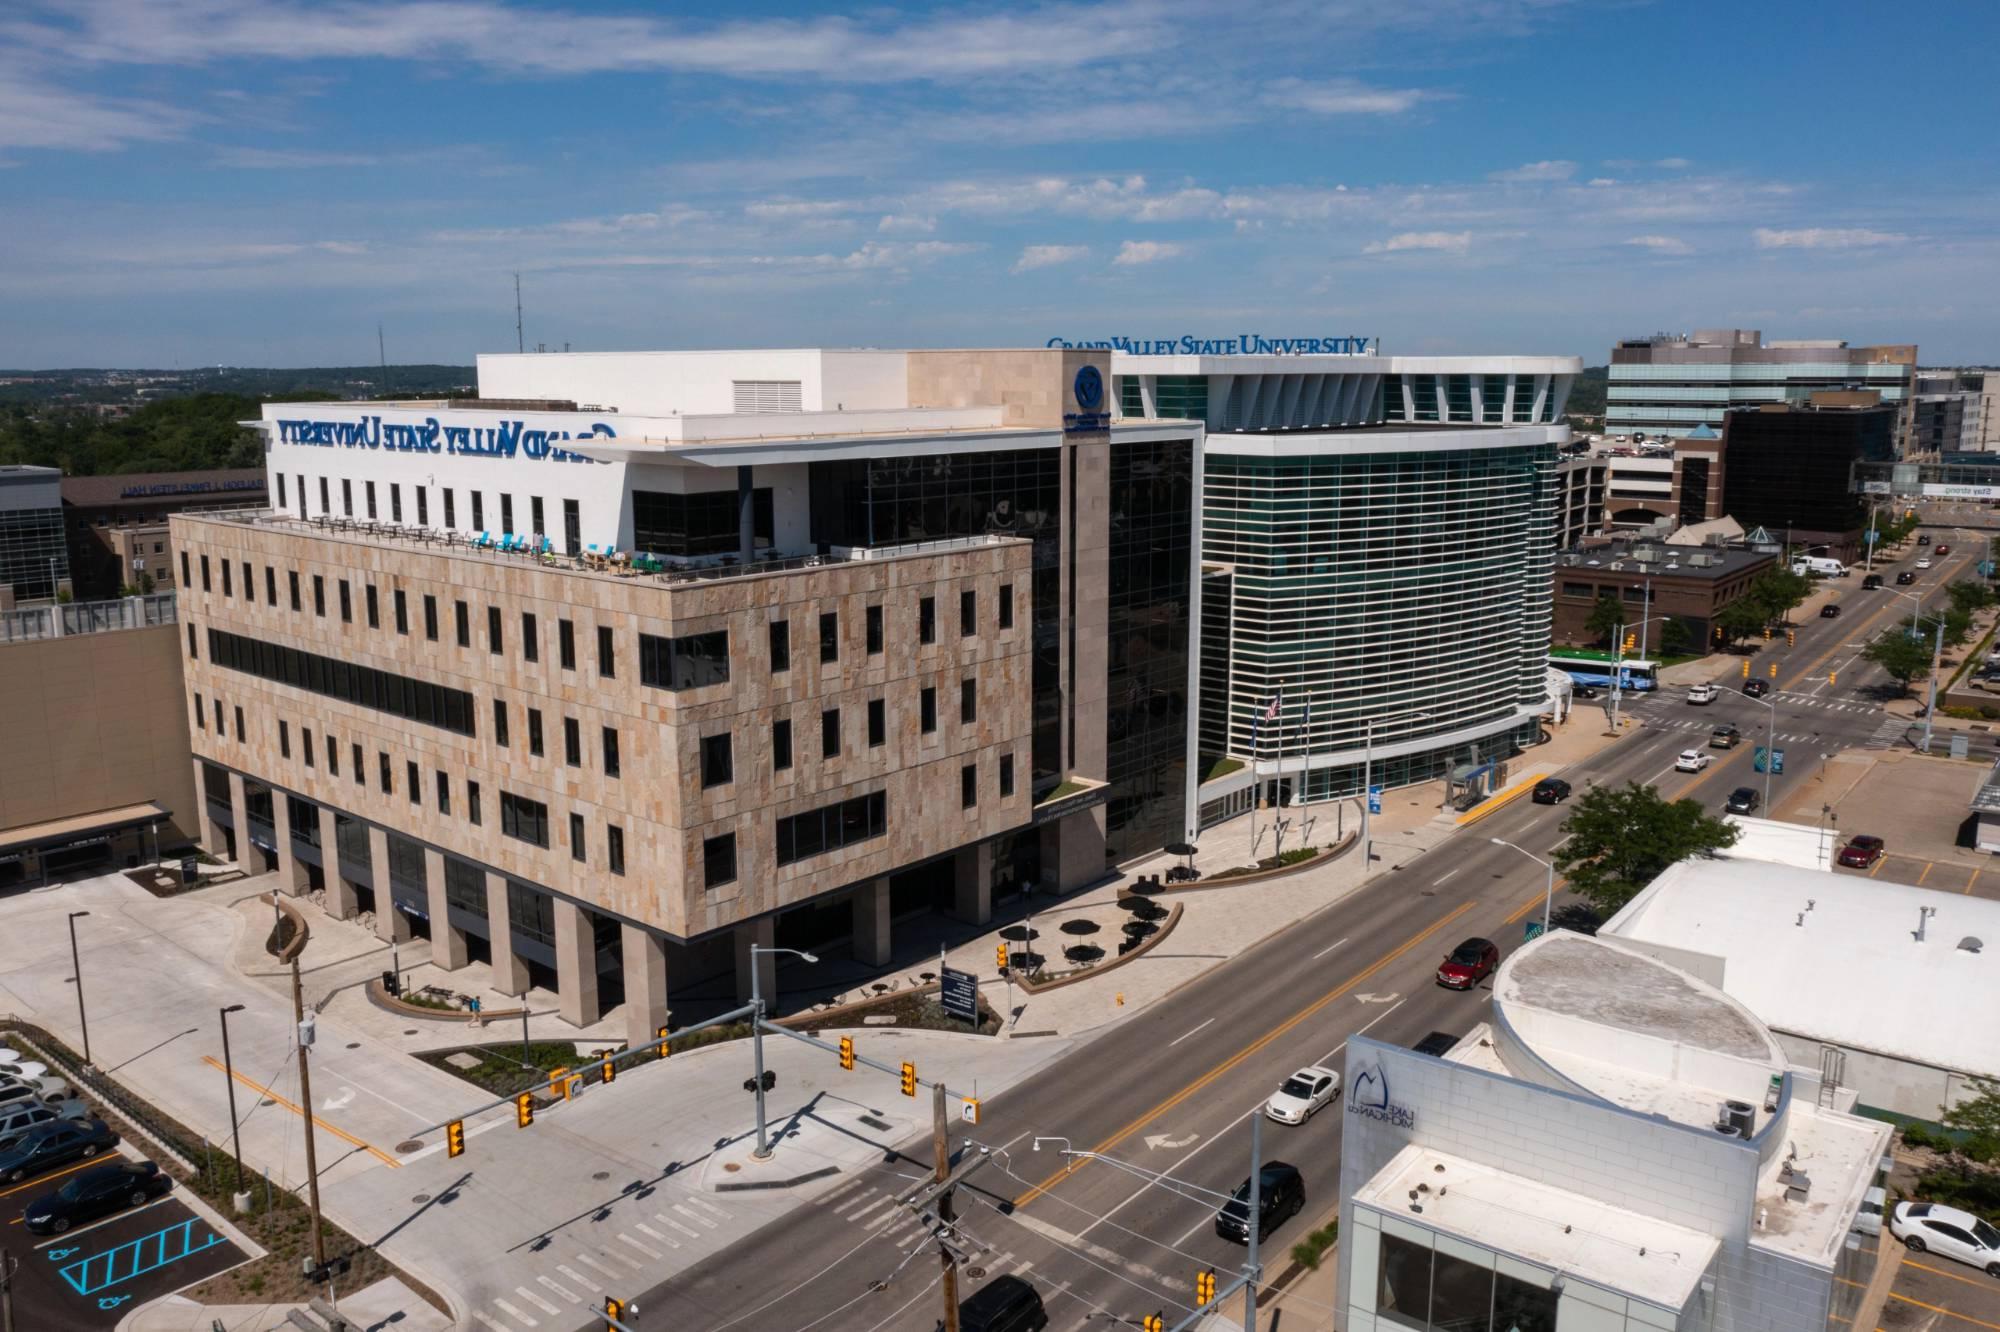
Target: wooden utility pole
[306,1101]
[941,1154]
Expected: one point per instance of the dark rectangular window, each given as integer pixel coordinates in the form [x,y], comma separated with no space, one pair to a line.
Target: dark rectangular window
[610,744]
[249,583]
[450,508]
[878,723]
[270,586]
[874,631]
[536,523]
[185,580]
[346,498]
[383,771]
[507,513]
[927,710]
[531,638]
[500,722]
[346,603]
[535,732]
[781,745]
[829,636]
[781,646]
[566,644]
[205,575]
[228,584]
[523,819]
[705,523]
[462,621]
[718,860]
[360,769]
[576,837]
[572,742]
[968,613]
[968,786]
[307,745]
[413,784]
[370,490]
[192,654]
[687,662]
[374,602]
[199,723]
[292,577]
[816,831]
[238,710]
[829,733]
[472,802]
[423,506]
[282,501]
[572,528]
[607,653]
[1006,776]
[324,505]
[614,848]
[393,693]
[430,617]
[332,757]
[216,705]
[478,511]
[493,642]
[443,781]
[402,600]
[968,701]
[718,760]
[395,502]
[319,595]
[927,620]
[285,739]
[532,914]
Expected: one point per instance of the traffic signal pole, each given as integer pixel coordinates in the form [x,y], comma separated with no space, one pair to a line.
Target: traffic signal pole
[941,1172]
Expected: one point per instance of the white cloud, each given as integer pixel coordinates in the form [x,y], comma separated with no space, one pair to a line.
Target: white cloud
[1601,182]
[1453,242]
[1825,238]
[793,210]
[1146,252]
[907,222]
[1673,163]
[1532,171]
[1345,97]
[1661,244]
[279,159]
[1048,256]
[899,254]
[37,114]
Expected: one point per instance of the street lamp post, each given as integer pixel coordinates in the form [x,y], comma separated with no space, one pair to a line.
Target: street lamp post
[1368,783]
[76,974]
[1770,747]
[229,1077]
[1618,661]
[1549,897]
[763,1152]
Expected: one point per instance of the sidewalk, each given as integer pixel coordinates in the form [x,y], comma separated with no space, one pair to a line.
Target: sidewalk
[385,1304]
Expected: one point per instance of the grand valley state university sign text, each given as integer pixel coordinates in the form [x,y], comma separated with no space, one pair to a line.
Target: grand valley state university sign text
[503,439]
[1243,344]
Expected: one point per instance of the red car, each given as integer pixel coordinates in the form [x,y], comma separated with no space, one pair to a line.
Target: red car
[1941,549]
[1861,852]
[1468,964]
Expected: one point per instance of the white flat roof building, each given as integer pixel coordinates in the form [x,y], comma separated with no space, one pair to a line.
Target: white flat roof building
[1847,972]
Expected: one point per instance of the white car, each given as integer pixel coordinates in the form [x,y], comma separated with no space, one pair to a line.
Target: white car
[1924,563]
[49,1087]
[28,1070]
[1702,693]
[1303,1093]
[1945,1230]
[1691,760]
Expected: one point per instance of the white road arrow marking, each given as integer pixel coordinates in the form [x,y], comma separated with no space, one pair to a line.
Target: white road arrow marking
[1159,1140]
[1378,998]
[339,1100]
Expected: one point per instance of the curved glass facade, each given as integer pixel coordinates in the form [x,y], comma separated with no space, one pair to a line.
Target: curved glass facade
[1408,584]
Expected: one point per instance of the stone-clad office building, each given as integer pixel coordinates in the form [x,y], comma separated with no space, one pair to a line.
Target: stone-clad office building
[916,636]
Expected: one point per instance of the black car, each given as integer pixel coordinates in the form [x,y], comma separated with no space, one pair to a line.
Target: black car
[1550,791]
[1004,1304]
[1830,611]
[1906,577]
[1871,583]
[49,1145]
[1585,691]
[1756,688]
[1743,800]
[1281,1193]
[92,1193]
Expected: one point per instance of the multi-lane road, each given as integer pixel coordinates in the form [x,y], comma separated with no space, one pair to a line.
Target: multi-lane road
[1171,1091]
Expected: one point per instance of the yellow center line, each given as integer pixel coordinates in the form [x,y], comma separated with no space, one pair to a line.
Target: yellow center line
[276,1099]
[1243,1054]
[1536,900]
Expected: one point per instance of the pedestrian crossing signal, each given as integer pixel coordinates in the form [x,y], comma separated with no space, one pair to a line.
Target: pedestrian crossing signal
[847,1053]
[1774,670]
[1204,1288]
[454,1138]
[909,1079]
[524,1109]
[614,1311]
[1829,678]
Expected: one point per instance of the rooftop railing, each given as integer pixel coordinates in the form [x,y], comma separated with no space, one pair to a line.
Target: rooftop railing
[86,617]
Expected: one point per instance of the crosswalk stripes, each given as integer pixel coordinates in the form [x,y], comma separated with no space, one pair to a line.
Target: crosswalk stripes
[579,1277]
[515,1314]
[651,1233]
[667,1220]
[561,1290]
[536,1300]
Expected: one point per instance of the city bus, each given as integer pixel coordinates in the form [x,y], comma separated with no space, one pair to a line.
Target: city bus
[1588,666]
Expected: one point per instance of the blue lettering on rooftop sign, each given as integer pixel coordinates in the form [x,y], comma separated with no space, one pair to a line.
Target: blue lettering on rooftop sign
[503,439]
[1243,344]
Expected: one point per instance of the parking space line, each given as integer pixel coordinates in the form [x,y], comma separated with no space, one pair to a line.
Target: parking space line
[1929,865]
[1948,1313]
[68,1235]
[1939,1271]
[276,1099]
[1969,882]
[1877,869]
[41,1181]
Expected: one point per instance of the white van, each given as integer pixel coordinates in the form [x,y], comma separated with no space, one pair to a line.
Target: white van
[1819,566]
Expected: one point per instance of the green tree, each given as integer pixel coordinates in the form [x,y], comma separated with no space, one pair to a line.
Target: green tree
[1778,592]
[1901,657]
[1607,617]
[1675,638]
[1978,1117]
[1622,838]
[1740,619]
[1970,595]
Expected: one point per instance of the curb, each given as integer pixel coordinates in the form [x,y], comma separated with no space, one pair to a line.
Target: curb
[754,1185]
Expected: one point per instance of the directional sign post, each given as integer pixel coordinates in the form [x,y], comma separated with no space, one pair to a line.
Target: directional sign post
[958,992]
[1374,800]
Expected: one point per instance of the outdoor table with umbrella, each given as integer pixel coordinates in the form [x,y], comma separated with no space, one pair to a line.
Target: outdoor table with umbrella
[1187,849]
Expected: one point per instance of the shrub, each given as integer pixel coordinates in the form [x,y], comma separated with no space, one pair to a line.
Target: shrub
[1308,1251]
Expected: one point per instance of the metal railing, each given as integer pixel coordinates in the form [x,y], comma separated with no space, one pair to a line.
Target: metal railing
[87,617]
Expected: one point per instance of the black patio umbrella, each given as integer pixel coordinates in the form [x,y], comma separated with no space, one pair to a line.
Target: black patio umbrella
[1019,933]
[1081,953]
[1079,927]
[1150,911]
[1025,960]
[1139,929]
[1181,849]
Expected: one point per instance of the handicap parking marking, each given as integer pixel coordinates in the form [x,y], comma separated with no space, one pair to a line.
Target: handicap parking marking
[134,1258]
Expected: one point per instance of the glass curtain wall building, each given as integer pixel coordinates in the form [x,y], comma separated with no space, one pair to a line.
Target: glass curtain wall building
[1670,384]
[34,554]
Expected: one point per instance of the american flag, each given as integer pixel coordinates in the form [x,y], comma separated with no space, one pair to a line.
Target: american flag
[1271,713]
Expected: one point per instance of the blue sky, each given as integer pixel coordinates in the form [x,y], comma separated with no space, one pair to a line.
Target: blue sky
[261,181]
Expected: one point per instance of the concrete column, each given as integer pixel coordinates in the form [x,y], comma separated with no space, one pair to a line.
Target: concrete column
[1073,850]
[759,933]
[576,965]
[291,874]
[871,924]
[972,895]
[239,811]
[339,896]
[645,983]
[391,925]
[510,973]
[447,941]
[208,832]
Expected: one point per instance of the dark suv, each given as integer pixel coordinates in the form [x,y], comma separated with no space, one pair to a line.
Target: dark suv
[1004,1304]
[1743,800]
[1871,582]
[1281,1193]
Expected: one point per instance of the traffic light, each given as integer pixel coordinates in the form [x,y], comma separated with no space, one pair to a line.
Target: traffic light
[1791,638]
[559,1078]
[909,1079]
[847,1053]
[1718,633]
[1204,1288]
[1000,956]
[1155,1323]
[1767,633]
[614,1311]
[608,1072]
[1746,668]
[1774,670]
[1631,641]
[454,1138]
[1829,678]
[524,1109]
[665,1048]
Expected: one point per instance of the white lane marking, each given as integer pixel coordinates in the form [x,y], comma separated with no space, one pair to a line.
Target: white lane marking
[649,1251]
[694,1216]
[563,1291]
[1328,949]
[515,1314]
[497,1328]
[880,1221]
[663,1217]
[577,1276]
[1023,1266]
[704,1203]
[1565,838]
[1184,1035]
[536,1300]
[1442,877]
[646,1229]
[586,1258]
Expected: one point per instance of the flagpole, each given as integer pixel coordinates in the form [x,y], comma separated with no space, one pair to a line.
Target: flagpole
[1256,780]
[1278,722]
